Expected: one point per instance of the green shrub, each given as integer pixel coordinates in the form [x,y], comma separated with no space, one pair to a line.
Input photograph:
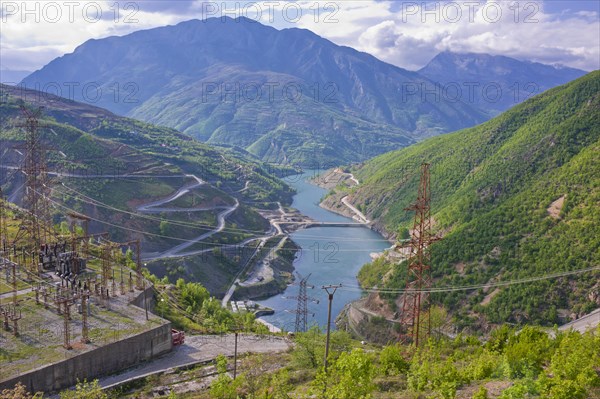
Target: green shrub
[391,361]
[482,393]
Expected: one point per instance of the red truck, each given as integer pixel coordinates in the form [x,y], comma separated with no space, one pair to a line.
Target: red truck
[178,337]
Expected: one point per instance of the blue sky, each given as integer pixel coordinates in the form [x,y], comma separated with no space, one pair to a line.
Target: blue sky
[552,6]
[404,33]
[558,7]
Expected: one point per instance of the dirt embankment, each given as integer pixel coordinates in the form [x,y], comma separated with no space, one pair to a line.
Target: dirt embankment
[280,265]
[333,203]
[361,320]
[337,178]
[333,178]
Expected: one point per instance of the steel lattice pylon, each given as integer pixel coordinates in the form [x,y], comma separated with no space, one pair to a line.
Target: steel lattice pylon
[36,223]
[415,317]
[301,311]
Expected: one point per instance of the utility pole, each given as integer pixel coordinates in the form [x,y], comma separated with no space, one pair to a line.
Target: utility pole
[67,315]
[84,315]
[14,283]
[4,311]
[37,289]
[113,290]
[145,299]
[45,296]
[106,252]
[235,356]
[330,289]
[15,319]
[416,307]
[10,313]
[66,304]
[138,262]
[122,283]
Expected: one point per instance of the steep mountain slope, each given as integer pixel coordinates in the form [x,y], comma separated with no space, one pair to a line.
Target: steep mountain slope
[494,83]
[515,197]
[139,181]
[234,170]
[284,95]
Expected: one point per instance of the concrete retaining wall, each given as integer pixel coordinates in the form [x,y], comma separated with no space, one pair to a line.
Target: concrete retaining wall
[97,362]
[148,294]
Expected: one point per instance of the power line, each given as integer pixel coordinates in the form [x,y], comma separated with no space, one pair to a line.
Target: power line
[474,287]
[189,240]
[197,225]
[95,202]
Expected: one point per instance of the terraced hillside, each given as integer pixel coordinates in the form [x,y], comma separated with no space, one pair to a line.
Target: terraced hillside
[137,180]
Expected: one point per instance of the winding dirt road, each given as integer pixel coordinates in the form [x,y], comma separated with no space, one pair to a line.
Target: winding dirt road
[157,207]
[176,251]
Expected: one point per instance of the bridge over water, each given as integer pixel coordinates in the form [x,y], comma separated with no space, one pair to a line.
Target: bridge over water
[310,224]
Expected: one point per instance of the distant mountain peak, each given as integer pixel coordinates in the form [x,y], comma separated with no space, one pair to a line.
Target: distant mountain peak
[498,82]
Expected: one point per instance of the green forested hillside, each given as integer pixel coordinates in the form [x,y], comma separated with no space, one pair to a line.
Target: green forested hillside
[515,197]
[157,144]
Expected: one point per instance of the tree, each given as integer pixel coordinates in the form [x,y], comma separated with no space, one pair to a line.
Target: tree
[308,351]
[224,387]
[482,393]
[403,233]
[349,377]
[192,294]
[19,392]
[85,390]
[310,347]
[164,228]
[391,361]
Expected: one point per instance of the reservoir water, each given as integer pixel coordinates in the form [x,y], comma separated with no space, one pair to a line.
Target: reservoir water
[331,255]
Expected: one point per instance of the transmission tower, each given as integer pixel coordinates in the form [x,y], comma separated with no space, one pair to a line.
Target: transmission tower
[415,317]
[35,224]
[3,226]
[302,303]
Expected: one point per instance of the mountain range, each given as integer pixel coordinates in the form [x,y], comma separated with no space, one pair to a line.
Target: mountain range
[287,96]
[284,95]
[494,83]
[514,197]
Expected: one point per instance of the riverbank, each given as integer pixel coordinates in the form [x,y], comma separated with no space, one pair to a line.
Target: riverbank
[332,251]
[339,184]
[272,271]
[369,317]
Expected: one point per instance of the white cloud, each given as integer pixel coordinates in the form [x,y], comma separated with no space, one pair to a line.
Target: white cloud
[408,35]
[401,33]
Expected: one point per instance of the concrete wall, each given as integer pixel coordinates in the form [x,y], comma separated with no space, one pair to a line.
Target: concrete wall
[148,294]
[97,362]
